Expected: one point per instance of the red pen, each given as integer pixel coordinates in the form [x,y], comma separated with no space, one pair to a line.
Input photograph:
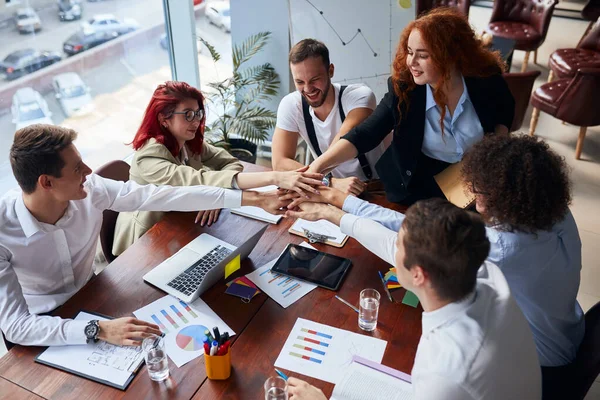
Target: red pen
[206,348]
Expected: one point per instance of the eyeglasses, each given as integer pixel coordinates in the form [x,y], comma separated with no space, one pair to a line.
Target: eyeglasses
[190,114]
[474,190]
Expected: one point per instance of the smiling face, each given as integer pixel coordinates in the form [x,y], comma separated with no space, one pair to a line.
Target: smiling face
[313,80]
[72,176]
[177,125]
[419,60]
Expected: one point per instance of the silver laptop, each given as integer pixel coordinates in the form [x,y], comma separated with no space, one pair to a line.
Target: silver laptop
[198,265]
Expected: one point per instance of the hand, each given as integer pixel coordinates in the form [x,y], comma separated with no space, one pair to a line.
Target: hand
[316,211]
[351,185]
[299,181]
[207,217]
[326,195]
[301,390]
[126,331]
[268,201]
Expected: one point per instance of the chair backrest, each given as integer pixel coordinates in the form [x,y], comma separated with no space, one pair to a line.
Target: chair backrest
[424,6]
[586,366]
[520,85]
[117,170]
[591,41]
[591,11]
[578,104]
[536,13]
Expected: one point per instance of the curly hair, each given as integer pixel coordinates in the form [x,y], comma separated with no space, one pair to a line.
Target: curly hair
[523,185]
[451,44]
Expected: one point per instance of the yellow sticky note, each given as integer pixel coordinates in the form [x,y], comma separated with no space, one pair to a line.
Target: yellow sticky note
[232,266]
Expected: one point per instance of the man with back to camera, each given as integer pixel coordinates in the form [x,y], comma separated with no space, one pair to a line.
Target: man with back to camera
[49,230]
[475,343]
[320,112]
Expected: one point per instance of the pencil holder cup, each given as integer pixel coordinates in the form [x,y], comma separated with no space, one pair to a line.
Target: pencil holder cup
[218,367]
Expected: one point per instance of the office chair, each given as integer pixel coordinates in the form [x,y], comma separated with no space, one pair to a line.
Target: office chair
[520,85]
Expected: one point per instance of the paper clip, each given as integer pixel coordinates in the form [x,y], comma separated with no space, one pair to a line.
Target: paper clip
[316,237]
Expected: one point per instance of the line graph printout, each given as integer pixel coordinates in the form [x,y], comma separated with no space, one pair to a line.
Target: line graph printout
[324,352]
[361,36]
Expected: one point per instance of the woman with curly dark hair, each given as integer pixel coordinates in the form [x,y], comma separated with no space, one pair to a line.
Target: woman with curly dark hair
[445,93]
[522,188]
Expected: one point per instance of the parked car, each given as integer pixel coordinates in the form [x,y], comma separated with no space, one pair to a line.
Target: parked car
[218,14]
[81,41]
[72,94]
[28,108]
[164,43]
[27,20]
[108,23]
[22,62]
[69,10]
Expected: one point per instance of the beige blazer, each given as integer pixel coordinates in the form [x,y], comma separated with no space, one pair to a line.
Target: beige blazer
[154,163]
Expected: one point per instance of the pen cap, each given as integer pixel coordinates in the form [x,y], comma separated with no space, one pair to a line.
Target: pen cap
[218,367]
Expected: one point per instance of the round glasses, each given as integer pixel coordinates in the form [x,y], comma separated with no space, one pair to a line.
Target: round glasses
[190,114]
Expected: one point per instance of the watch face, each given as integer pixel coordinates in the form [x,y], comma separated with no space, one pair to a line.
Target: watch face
[91,330]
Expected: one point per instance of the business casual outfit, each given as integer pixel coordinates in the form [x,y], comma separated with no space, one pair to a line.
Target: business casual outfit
[43,265]
[153,163]
[543,272]
[474,349]
[419,150]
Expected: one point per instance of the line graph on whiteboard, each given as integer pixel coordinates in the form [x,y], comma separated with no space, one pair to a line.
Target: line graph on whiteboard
[361,37]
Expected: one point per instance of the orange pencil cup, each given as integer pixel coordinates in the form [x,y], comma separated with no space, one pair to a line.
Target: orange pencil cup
[218,367]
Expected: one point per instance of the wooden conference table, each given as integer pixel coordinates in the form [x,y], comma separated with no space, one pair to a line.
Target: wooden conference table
[262,326]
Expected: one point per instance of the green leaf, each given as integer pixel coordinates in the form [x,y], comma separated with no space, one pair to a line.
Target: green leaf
[211,49]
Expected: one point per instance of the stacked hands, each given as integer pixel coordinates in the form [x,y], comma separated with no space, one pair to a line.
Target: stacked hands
[299,193]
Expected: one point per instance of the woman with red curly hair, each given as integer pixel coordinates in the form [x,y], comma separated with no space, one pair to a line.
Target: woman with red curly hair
[445,93]
[170,150]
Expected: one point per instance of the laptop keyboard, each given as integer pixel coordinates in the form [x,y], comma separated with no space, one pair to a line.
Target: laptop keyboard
[189,280]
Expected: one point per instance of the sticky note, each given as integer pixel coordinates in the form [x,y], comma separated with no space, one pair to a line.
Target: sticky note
[232,266]
[404,3]
[410,299]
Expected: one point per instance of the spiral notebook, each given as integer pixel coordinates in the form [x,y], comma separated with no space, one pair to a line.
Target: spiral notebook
[454,187]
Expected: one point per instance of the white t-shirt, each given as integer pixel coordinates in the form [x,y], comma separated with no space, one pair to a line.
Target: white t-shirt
[291,118]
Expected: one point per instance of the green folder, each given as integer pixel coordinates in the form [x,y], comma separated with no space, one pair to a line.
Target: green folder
[410,299]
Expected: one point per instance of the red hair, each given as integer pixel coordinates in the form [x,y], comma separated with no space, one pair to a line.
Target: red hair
[452,44]
[163,102]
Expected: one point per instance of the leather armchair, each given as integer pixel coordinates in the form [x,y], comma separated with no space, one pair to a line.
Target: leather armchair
[564,63]
[525,21]
[520,85]
[571,100]
[424,6]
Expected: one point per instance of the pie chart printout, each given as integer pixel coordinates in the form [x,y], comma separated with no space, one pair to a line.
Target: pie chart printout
[191,338]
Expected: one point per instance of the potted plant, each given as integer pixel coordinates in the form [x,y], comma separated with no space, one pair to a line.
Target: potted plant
[243,121]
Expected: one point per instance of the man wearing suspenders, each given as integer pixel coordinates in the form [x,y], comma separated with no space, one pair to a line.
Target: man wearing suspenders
[321,112]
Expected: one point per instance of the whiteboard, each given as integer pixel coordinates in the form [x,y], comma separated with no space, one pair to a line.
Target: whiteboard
[361,35]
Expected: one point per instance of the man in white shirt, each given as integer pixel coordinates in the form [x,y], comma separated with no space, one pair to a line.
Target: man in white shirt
[321,112]
[49,230]
[476,343]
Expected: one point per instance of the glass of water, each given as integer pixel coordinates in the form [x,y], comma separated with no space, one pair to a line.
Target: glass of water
[156,357]
[368,310]
[276,388]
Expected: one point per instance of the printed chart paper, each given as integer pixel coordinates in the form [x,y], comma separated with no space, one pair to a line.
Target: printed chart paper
[101,361]
[183,324]
[283,289]
[325,352]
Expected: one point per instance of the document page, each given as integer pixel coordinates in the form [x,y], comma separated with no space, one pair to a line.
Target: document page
[321,227]
[364,383]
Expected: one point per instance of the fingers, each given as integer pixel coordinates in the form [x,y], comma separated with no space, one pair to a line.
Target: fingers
[296,202]
[305,168]
[294,214]
[198,216]
[216,214]
[313,179]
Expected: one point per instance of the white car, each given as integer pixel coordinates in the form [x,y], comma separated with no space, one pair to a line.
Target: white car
[72,94]
[27,20]
[28,108]
[109,24]
[218,14]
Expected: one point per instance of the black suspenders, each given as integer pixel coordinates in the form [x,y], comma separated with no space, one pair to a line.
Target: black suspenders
[310,129]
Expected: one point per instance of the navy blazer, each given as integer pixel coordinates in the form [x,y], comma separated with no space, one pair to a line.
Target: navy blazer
[491,98]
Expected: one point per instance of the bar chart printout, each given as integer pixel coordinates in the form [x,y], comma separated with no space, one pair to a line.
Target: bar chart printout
[324,352]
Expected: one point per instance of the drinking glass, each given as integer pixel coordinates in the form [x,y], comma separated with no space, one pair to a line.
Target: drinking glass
[156,357]
[368,309]
[276,388]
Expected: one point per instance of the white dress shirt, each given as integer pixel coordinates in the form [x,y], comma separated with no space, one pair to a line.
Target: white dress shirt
[43,265]
[475,349]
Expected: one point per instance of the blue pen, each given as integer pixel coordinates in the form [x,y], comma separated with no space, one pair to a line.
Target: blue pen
[385,287]
[281,374]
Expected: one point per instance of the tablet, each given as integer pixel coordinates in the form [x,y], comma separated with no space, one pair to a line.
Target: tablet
[313,266]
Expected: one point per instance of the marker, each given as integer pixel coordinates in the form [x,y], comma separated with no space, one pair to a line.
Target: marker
[385,287]
[346,303]
[214,348]
[209,336]
[281,374]
[217,334]
[224,338]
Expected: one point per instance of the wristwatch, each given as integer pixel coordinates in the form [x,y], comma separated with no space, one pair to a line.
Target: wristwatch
[327,179]
[92,329]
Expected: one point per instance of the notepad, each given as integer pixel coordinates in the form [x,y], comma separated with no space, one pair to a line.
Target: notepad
[366,380]
[454,187]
